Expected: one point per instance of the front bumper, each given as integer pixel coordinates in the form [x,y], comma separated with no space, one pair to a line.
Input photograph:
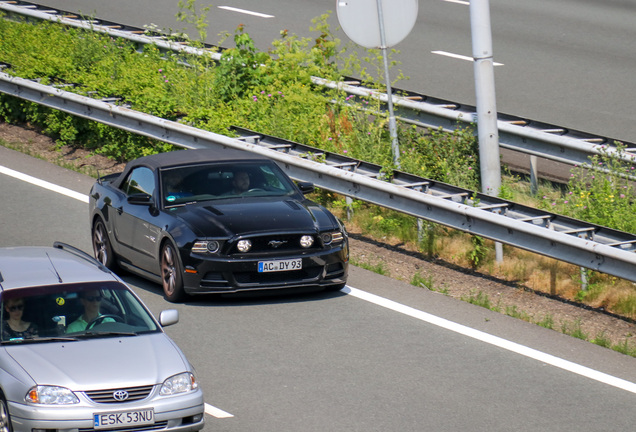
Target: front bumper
[179,413]
[213,274]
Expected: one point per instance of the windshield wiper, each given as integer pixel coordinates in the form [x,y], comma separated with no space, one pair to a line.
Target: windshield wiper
[92,334]
[32,339]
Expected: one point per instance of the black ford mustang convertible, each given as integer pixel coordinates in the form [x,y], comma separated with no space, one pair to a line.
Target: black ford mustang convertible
[215,221]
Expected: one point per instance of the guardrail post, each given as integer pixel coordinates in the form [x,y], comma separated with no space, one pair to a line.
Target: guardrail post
[584,284]
[534,186]
[349,205]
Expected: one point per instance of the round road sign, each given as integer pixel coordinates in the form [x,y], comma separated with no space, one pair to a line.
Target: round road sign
[359,20]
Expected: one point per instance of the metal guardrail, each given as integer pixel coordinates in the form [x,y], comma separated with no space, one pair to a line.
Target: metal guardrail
[586,245]
[522,135]
[140,36]
[515,133]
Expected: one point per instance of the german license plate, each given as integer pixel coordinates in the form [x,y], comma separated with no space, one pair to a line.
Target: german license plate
[111,420]
[280,265]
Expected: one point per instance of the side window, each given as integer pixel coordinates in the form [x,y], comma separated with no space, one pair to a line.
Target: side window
[140,180]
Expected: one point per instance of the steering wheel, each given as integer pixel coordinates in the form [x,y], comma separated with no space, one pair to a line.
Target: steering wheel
[256,190]
[101,318]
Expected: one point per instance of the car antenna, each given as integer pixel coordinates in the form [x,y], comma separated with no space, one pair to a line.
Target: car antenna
[59,278]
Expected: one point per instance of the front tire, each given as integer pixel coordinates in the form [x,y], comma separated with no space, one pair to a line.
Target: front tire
[5,418]
[171,274]
[102,247]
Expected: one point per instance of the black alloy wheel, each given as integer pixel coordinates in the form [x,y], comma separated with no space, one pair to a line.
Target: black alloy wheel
[101,246]
[171,274]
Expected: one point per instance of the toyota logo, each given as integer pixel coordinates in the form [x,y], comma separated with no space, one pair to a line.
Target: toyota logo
[120,395]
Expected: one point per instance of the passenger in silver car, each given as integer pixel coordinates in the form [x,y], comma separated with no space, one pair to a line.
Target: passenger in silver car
[15,327]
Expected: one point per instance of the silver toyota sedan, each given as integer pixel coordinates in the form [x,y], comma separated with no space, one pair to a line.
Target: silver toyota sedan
[80,352]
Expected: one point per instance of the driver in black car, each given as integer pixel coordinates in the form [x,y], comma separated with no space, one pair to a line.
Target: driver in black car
[240,182]
[91,300]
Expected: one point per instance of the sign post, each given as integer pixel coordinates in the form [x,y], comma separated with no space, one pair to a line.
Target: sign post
[395,19]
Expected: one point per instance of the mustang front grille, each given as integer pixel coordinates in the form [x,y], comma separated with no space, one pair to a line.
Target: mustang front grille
[278,277]
[276,243]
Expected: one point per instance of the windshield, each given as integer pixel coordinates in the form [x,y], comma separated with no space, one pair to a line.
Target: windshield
[224,181]
[66,312]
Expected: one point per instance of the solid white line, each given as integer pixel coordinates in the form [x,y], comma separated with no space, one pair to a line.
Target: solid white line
[46,185]
[461,57]
[493,340]
[243,11]
[458,2]
[215,412]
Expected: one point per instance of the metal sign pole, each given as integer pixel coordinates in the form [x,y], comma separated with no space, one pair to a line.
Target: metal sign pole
[488,134]
[395,146]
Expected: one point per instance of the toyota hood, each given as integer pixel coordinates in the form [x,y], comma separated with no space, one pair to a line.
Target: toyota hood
[101,363]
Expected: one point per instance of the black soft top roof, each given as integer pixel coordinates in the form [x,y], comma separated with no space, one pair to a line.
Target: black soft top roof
[187,157]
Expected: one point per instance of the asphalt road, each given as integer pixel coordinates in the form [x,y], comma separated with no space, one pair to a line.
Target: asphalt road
[564,62]
[379,356]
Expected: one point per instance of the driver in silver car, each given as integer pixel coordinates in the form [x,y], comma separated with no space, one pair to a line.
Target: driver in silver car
[91,301]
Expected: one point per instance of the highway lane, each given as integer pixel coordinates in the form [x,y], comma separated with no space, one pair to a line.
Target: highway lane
[565,62]
[331,362]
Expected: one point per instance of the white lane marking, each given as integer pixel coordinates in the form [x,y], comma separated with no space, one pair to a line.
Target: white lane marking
[243,11]
[461,2]
[461,57]
[215,412]
[493,340]
[46,185]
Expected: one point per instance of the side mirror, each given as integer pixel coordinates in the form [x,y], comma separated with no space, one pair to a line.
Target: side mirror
[306,187]
[140,199]
[168,317]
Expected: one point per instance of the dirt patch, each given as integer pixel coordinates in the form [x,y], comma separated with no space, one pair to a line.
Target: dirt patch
[398,262]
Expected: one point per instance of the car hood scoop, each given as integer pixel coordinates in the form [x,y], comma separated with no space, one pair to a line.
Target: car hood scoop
[250,216]
[103,363]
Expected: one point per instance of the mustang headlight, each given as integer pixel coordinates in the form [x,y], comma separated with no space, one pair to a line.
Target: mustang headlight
[244,245]
[51,395]
[176,384]
[331,237]
[206,246]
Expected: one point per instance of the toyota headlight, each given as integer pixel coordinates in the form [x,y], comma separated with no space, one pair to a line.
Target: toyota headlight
[51,395]
[176,384]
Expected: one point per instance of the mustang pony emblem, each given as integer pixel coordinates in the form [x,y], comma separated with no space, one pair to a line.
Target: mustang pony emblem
[276,243]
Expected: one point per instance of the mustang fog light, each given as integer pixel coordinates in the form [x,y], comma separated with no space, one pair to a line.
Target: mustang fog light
[244,245]
[306,241]
[176,384]
[51,395]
